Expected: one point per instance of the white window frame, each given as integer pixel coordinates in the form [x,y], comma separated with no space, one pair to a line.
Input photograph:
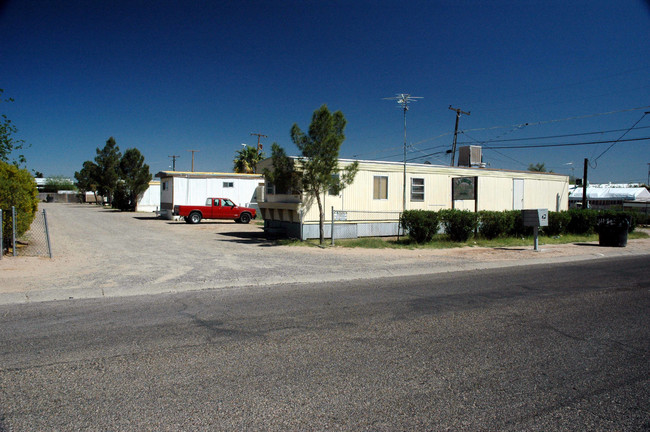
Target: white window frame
[376,194]
[418,186]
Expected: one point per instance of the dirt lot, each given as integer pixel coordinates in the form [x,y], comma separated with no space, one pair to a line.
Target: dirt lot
[100,252]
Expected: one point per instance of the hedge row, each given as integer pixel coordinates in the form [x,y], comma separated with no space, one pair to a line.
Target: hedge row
[422,225]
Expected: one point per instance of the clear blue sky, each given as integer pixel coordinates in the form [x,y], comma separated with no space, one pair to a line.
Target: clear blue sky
[166,77]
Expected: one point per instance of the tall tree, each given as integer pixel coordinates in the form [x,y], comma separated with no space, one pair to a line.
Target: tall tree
[108,161]
[134,178]
[246,160]
[87,178]
[538,167]
[284,176]
[8,144]
[320,158]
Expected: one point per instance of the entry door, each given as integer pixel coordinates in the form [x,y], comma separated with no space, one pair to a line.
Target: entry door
[517,194]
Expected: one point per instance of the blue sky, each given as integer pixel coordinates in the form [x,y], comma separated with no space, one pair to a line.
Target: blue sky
[168,77]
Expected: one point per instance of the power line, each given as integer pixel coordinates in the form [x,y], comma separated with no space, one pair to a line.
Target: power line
[553,136]
[567,144]
[619,139]
[557,120]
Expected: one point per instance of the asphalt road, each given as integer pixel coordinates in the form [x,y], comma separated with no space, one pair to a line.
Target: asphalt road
[552,347]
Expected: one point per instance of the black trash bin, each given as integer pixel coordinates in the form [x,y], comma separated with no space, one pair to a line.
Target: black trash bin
[612,231]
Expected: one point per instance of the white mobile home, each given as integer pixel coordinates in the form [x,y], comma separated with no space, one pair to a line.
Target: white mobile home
[149,201]
[183,188]
[371,205]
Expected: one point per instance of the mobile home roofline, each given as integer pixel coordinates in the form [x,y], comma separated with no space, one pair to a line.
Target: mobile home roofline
[190,174]
[436,167]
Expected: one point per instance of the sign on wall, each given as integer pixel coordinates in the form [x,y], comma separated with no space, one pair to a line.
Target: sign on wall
[463,188]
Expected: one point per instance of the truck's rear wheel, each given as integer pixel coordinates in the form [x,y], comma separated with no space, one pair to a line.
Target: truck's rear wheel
[194,217]
[245,218]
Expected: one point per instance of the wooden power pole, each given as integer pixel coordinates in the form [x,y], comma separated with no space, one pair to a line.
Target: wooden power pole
[259,144]
[193,151]
[453,147]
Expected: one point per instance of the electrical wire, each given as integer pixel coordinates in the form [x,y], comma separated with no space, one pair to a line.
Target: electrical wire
[619,139]
[555,136]
[567,144]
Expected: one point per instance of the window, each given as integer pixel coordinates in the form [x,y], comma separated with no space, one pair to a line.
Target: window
[208,202]
[417,189]
[165,185]
[270,188]
[380,187]
[228,184]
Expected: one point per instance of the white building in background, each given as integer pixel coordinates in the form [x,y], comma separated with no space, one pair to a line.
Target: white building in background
[610,195]
[192,188]
[149,201]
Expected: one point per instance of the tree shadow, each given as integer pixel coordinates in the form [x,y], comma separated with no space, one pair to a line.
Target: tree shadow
[249,237]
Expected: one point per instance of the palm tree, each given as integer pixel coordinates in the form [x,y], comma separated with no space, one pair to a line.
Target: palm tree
[246,160]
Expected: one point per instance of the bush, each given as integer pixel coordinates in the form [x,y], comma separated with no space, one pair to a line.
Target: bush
[493,224]
[459,224]
[582,221]
[18,189]
[517,227]
[613,218]
[421,225]
[558,223]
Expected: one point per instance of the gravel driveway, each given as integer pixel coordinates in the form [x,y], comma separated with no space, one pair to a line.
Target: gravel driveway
[100,252]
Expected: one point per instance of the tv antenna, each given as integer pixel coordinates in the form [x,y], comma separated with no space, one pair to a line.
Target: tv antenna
[403,100]
[174,157]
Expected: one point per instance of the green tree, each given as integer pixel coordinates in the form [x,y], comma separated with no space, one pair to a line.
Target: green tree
[320,158]
[108,162]
[538,167]
[284,176]
[134,179]
[57,183]
[9,144]
[87,178]
[246,160]
[17,189]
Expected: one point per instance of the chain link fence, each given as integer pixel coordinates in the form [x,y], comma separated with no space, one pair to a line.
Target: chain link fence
[360,223]
[33,243]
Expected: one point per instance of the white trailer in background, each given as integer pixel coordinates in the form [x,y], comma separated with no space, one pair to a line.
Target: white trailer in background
[149,201]
[193,188]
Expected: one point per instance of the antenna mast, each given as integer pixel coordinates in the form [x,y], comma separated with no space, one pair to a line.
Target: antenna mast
[403,100]
[174,157]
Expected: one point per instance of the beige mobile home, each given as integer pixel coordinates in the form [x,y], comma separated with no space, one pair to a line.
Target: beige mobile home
[188,188]
[372,204]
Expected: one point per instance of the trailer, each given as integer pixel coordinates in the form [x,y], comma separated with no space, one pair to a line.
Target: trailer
[193,188]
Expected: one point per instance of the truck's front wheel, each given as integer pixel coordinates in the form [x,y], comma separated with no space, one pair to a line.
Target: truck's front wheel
[245,218]
[194,217]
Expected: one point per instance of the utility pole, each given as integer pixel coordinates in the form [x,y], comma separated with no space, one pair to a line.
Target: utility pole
[193,151]
[259,144]
[584,185]
[453,147]
[403,99]
[174,157]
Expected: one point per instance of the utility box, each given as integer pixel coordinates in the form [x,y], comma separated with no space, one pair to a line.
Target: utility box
[535,217]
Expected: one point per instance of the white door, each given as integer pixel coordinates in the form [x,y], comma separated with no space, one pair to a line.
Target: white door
[517,194]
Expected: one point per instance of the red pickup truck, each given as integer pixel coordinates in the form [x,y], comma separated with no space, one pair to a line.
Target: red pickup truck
[215,208]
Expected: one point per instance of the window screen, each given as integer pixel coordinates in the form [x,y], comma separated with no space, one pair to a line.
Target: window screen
[417,189]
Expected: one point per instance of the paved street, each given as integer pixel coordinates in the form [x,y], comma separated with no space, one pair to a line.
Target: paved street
[103,253]
[549,348]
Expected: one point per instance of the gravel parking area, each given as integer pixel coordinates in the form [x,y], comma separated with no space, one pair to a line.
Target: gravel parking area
[100,252]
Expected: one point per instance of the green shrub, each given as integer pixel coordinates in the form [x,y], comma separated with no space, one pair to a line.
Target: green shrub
[17,189]
[517,228]
[582,221]
[558,223]
[459,224]
[614,218]
[421,225]
[493,224]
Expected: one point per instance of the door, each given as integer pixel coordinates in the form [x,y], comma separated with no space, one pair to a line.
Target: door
[517,194]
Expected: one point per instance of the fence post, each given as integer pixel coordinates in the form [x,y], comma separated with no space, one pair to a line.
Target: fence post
[13,224]
[2,249]
[332,229]
[47,235]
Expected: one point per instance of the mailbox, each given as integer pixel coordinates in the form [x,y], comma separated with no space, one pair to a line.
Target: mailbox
[535,217]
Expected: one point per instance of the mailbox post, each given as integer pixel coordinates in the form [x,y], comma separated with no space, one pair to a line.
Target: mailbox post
[535,218]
